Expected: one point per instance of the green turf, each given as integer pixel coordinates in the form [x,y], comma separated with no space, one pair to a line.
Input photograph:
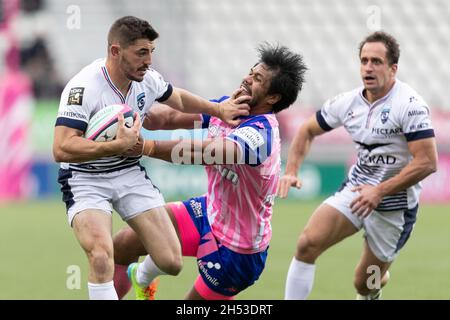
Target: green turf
[37,247]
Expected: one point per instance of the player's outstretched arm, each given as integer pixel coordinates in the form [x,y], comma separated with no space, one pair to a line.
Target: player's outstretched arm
[69,145]
[163,117]
[423,164]
[200,152]
[297,152]
[229,110]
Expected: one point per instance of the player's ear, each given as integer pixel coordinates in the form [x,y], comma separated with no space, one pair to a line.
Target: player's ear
[273,98]
[114,50]
[394,68]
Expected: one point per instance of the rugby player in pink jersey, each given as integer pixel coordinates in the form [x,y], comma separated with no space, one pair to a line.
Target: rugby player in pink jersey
[228,229]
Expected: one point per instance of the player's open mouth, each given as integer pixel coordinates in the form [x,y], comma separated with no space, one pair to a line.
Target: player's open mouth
[246,90]
[369,78]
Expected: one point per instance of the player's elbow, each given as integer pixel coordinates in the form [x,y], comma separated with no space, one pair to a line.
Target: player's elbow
[429,166]
[432,167]
[59,155]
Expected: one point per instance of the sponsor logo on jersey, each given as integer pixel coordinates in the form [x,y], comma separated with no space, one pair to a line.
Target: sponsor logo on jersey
[196,208]
[387,131]
[414,113]
[419,126]
[385,114]
[208,277]
[412,98]
[228,174]
[73,115]
[75,96]
[381,159]
[141,100]
[350,114]
[251,137]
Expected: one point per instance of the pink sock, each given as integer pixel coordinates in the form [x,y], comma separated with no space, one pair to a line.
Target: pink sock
[121,282]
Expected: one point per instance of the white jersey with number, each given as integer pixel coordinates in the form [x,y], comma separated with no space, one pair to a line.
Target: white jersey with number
[381,132]
[91,90]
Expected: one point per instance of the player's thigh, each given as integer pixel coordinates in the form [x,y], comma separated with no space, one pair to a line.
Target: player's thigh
[154,228]
[127,244]
[326,227]
[92,229]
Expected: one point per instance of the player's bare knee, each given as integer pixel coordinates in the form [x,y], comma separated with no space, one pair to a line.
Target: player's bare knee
[170,264]
[100,259]
[175,266]
[308,248]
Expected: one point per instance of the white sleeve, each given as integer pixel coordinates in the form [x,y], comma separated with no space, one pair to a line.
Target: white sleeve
[416,121]
[74,108]
[329,116]
[155,81]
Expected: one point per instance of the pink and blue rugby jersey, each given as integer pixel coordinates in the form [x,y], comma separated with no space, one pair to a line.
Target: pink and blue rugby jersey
[240,196]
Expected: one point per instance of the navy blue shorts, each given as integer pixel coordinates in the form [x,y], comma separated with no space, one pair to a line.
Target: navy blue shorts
[222,270]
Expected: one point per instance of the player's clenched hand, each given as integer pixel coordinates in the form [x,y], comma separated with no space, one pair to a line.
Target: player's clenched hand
[138,148]
[287,181]
[127,137]
[368,199]
[231,109]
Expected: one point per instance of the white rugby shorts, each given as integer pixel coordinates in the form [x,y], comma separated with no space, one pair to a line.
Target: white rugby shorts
[128,191]
[386,231]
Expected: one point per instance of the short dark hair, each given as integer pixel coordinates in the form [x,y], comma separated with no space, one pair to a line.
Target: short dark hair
[127,30]
[289,70]
[391,44]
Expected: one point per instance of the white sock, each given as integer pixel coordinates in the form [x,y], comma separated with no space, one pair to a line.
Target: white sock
[300,279]
[102,291]
[147,271]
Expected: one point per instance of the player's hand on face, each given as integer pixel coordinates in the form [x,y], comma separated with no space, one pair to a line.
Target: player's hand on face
[128,137]
[287,181]
[233,108]
[366,201]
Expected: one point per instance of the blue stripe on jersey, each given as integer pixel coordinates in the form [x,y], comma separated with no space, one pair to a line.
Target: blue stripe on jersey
[206,117]
[258,156]
[71,123]
[418,135]
[166,94]
[322,123]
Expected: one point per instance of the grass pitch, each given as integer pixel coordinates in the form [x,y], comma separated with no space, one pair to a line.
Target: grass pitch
[40,257]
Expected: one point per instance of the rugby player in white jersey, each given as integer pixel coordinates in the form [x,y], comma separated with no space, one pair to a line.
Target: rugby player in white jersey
[390,125]
[97,175]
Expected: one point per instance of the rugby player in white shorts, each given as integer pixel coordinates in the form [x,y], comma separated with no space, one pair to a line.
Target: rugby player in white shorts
[390,125]
[96,176]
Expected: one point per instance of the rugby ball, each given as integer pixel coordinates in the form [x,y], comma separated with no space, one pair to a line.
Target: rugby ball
[104,123]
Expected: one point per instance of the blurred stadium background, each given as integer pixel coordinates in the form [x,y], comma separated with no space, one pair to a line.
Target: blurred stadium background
[207,46]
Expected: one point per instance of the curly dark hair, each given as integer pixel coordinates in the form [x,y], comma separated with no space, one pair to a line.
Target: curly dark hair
[289,72]
[127,30]
[391,44]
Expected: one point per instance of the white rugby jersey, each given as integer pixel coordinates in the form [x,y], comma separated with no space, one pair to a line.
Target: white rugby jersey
[381,132]
[91,90]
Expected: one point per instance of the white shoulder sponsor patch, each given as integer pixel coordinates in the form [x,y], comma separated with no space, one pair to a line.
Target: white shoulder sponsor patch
[251,136]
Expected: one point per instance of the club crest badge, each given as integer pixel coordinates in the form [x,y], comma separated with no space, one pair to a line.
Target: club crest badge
[141,100]
[385,114]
